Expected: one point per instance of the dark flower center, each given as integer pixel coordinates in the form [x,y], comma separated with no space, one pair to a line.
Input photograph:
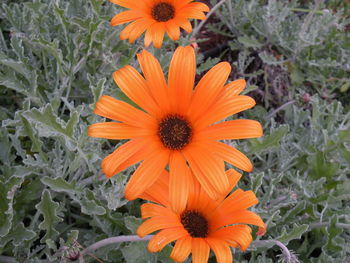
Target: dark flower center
[163,12]
[175,132]
[195,223]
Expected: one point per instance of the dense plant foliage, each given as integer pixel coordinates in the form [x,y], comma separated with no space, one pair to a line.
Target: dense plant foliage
[57,58]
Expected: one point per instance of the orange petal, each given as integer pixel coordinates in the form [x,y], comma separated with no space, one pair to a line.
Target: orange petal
[134,86]
[238,200]
[181,249]
[157,223]
[135,4]
[157,31]
[135,29]
[164,237]
[210,166]
[125,17]
[185,24]
[155,78]
[231,155]
[118,110]
[140,26]
[200,250]
[159,191]
[235,87]
[116,131]
[146,174]
[199,6]
[233,177]
[179,184]
[172,29]
[225,106]
[208,89]
[190,12]
[203,180]
[235,235]
[221,249]
[182,73]
[150,210]
[148,38]
[235,129]
[111,164]
[237,217]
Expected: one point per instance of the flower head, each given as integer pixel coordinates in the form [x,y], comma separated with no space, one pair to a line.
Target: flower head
[203,224]
[176,127]
[157,17]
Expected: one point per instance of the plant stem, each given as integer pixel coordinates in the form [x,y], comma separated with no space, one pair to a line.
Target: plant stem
[6,259]
[113,240]
[200,25]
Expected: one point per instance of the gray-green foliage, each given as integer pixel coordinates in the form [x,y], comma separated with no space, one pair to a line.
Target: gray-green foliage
[56,59]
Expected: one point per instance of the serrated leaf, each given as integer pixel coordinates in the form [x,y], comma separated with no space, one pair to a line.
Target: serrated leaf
[49,209]
[137,252]
[48,124]
[36,143]
[295,233]
[7,192]
[59,185]
[96,88]
[89,204]
[249,41]
[19,234]
[132,223]
[271,140]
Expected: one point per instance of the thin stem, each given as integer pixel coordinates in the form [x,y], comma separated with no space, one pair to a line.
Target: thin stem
[287,254]
[6,259]
[325,224]
[113,240]
[200,25]
[279,108]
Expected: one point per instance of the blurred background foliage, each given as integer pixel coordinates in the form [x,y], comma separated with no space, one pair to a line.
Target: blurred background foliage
[56,59]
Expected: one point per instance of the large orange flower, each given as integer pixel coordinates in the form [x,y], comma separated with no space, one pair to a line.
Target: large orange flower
[203,224]
[157,17]
[175,127]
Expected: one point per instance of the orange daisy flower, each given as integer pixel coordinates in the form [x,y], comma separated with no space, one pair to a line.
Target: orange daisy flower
[157,17]
[203,224]
[175,127]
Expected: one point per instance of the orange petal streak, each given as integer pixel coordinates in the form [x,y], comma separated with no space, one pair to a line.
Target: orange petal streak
[179,184]
[182,72]
[135,87]
[159,191]
[210,166]
[225,106]
[182,249]
[116,131]
[155,78]
[236,129]
[118,110]
[146,174]
[221,249]
[200,250]
[231,155]
[150,210]
[164,237]
[235,235]
[111,164]
[125,17]
[156,223]
[238,217]
[208,89]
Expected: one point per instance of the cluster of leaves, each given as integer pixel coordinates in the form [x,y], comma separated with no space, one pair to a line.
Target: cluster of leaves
[56,59]
[285,46]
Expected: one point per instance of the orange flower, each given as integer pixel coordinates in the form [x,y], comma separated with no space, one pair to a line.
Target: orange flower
[176,127]
[202,224]
[157,17]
